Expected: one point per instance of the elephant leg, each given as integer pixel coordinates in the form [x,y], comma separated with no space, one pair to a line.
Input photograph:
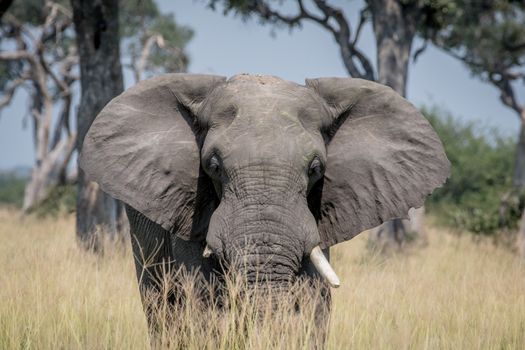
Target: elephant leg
[162,260]
[151,246]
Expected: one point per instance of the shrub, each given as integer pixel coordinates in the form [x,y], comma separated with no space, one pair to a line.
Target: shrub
[480,184]
[12,189]
[60,200]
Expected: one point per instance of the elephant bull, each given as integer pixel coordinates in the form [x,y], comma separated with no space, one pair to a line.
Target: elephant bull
[260,170]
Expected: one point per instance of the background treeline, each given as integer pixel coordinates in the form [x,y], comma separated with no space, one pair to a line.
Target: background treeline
[479,197]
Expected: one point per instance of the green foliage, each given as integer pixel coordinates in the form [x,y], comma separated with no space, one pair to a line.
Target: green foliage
[31,15]
[60,200]
[11,189]
[9,70]
[244,8]
[433,14]
[175,36]
[32,11]
[134,14]
[140,20]
[481,181]
[487,35]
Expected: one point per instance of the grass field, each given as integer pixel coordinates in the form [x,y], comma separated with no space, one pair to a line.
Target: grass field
[452,294]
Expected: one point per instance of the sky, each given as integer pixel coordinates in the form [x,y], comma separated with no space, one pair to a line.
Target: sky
[225,45]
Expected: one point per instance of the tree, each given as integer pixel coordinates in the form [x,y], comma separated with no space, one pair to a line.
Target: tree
[42,62]
[39,55]
[98,42]
[489,37]
[395,24]
[481,158]
[154,42]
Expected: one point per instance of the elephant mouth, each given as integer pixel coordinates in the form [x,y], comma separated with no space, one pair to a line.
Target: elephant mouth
[317,258]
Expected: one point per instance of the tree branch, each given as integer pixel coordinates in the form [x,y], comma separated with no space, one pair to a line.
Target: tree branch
[341,33]
[363,18]
[420,50]
[15,55]
[63,122]
[41,53]
[146,49]
[52,26]
[499,76]
[343,37]
[267,13]
[50,31]
[507,93]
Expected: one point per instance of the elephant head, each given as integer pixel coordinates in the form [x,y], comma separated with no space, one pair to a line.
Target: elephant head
[265,171]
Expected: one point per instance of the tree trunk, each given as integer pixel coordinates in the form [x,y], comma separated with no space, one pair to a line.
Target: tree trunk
[519,182]
[394,28]
[521,236]
[48,173]
[97,32]
[52,155]
[519,170]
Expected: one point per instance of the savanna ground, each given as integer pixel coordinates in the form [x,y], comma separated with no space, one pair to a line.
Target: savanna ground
[454,293]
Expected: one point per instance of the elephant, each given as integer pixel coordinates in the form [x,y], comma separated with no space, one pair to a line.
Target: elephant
[258,169]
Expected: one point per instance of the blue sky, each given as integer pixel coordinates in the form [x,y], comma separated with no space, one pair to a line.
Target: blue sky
[227,46]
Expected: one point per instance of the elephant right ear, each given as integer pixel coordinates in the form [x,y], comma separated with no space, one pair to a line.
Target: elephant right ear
[383,158]
[142,149]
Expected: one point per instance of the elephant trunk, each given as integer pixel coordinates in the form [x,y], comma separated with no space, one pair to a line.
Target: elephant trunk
[263,228]
[264,262]
[263,245]
[267,243]
[317,258]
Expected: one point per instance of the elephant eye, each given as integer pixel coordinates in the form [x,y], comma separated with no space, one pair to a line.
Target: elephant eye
[214,166]
[316,169]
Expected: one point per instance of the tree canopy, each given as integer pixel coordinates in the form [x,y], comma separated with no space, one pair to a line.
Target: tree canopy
[489,37]
[39,55]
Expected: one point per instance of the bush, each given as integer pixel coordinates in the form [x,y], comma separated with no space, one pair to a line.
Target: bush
[60,200]
[481,181]
[12,189]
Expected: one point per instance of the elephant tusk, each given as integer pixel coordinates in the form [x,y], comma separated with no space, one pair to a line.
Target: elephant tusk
[207,252]
[323,267]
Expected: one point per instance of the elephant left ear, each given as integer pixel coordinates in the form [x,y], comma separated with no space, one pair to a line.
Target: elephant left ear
[144,149]
[383,158]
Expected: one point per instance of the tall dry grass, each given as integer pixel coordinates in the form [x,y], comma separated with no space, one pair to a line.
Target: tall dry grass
[452,294]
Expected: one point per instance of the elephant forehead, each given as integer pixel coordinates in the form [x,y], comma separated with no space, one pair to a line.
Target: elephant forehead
[271,118]
[256,78]
[276,142]
[263,100]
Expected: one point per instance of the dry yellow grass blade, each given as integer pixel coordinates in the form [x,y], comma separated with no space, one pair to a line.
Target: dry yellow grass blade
[452,294]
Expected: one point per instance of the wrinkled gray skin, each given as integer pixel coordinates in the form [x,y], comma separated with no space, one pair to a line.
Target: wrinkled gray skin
[260,169]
